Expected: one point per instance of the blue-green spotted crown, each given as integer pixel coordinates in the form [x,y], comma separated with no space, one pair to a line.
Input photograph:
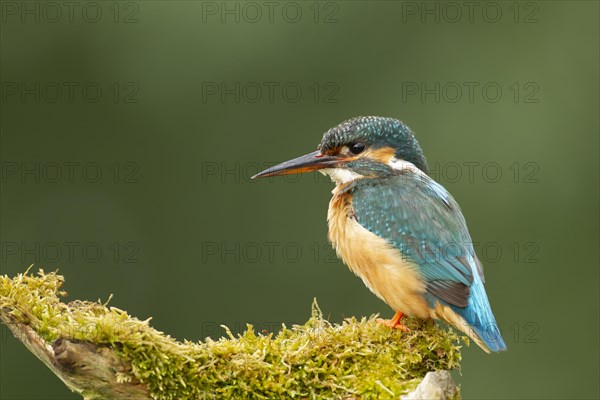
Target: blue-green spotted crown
[376,132]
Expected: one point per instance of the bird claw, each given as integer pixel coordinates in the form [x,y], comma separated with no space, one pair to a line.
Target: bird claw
[390,323]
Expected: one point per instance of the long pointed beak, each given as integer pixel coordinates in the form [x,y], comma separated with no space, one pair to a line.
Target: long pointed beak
[309,162]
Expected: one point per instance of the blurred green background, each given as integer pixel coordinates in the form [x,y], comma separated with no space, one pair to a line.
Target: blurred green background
[129,131]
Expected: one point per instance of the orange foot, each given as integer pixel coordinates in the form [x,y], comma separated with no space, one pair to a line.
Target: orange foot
[394,323]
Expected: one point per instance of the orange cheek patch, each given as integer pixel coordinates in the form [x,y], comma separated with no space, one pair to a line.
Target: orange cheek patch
[334,151]
[383,155]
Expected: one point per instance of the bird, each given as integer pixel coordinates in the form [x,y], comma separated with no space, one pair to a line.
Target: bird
[398,229]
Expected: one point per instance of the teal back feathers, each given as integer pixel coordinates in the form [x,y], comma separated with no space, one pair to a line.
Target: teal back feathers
[422,220]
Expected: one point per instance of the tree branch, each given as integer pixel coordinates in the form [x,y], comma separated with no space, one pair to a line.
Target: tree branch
[103,353]
[84,367]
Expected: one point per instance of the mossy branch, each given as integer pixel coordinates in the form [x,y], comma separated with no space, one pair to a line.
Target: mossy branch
[102,352]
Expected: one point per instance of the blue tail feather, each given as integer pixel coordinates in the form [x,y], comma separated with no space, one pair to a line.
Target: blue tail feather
[478,314]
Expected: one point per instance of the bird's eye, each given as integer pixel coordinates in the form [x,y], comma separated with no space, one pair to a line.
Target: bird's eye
[357,148]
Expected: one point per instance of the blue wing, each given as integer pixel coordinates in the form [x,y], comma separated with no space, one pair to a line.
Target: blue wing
[420,218]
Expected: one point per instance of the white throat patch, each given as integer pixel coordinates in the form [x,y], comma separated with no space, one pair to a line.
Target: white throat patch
[340,175]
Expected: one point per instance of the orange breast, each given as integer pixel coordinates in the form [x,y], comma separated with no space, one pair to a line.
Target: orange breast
[383,269]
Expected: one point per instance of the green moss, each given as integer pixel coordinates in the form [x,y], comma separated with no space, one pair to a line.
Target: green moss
[314,360]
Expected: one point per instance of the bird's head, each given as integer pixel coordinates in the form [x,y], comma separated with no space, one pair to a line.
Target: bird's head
[359,147]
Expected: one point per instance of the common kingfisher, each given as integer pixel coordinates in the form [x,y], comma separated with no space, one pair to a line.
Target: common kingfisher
[398,229]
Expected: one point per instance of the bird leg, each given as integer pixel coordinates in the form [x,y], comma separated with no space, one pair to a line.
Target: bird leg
[394,323]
